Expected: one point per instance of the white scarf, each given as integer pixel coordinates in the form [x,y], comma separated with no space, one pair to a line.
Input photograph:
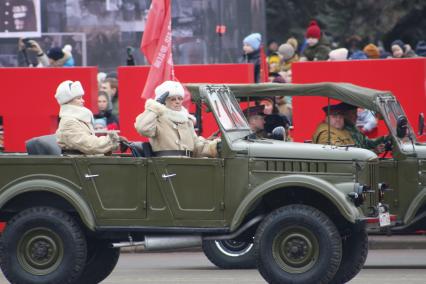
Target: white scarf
[77,112]
[181,116]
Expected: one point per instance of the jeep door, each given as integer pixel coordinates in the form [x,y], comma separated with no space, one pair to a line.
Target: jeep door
[191,188]
[116,187]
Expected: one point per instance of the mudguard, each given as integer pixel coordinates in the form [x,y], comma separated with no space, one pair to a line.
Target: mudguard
[52,184]
[348,210]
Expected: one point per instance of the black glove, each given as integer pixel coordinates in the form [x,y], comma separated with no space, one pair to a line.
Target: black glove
[278,133]
[162,99]
[124,145]
[219,147]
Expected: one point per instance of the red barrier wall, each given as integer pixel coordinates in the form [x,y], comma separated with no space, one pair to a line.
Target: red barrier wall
[28,105]
[132,81]
[406,78]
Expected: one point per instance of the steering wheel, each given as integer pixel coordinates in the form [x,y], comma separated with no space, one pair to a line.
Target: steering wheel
[388,148]
[124,145]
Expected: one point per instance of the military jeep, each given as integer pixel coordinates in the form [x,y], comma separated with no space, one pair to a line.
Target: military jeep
[297,211]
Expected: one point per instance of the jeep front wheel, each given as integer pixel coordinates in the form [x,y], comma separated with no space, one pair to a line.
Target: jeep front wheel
[297,244]
[42,245]
[230,254]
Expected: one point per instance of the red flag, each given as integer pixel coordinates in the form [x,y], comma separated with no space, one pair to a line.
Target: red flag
[264,70]
[157,46]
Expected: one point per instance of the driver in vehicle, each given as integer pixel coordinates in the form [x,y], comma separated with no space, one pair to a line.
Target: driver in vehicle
[258,120]
[361,140]
[335,133]
[75,134]
[170,127]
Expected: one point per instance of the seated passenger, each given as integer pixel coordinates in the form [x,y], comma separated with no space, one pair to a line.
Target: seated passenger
[259,124]
[335,133]
[170,127]
[274,121]
[256,119]
[75,133]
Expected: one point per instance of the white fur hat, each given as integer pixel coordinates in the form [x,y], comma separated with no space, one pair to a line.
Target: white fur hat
[174,88]
[338,54]
[67,91]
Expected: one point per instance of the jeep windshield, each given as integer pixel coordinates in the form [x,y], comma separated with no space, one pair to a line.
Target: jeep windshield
[392,112]
[226,108]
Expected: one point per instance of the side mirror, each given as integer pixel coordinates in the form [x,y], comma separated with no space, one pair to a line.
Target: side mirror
[421,123]
[401,126]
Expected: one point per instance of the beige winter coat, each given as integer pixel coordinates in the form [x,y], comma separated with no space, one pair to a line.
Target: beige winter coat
[75,132]
[172,130]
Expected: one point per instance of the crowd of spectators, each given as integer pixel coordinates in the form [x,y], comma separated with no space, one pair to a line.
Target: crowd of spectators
[317,47]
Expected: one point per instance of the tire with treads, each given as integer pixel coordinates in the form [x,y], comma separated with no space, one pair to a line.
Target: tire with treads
[297,244]
[42,245]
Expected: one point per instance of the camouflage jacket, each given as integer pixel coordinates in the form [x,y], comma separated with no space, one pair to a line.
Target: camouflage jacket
[362,141]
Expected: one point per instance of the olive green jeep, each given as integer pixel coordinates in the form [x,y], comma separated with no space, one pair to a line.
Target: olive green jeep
[297,211]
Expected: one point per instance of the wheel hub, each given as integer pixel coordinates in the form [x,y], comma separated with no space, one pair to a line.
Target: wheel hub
[40,251]
[295,249]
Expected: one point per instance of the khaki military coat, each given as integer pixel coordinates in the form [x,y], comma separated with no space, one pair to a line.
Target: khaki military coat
[339,137]
[75,132]
[172,130]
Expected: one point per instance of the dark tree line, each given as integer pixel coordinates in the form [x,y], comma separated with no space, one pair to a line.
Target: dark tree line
[372,20]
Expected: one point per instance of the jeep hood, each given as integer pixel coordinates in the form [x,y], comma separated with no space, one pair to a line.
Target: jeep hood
[279,149]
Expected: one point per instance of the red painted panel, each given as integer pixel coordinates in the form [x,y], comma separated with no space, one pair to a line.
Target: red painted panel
[28,105]
[132,80]
[406,78]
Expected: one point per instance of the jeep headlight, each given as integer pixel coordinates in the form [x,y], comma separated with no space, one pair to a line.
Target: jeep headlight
[359,194]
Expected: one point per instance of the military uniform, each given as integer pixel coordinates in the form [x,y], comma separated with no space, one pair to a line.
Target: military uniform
[339,137]
[362,141]
[17,16]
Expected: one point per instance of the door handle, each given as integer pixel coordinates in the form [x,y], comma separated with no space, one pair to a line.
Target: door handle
[90,176]
[164,176]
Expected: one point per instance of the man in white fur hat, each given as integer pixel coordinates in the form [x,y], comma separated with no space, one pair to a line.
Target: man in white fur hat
[75,133]
[170,127]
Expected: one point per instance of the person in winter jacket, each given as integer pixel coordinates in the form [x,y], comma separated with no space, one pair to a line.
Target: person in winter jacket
[339,54]
[76,134]
[421,48]
[332,130]
[105,111]
[288,56]
[170,127]
[318,46]
[400,50]
[251,48]
[371,51]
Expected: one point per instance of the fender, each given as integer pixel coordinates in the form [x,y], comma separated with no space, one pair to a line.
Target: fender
[337,197]
[414,207]
[52,184]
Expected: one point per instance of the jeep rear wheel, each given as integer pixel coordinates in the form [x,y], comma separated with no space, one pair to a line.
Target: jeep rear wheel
[355,251]
[42,245]
[297,244]
[101,261]
[230,254]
